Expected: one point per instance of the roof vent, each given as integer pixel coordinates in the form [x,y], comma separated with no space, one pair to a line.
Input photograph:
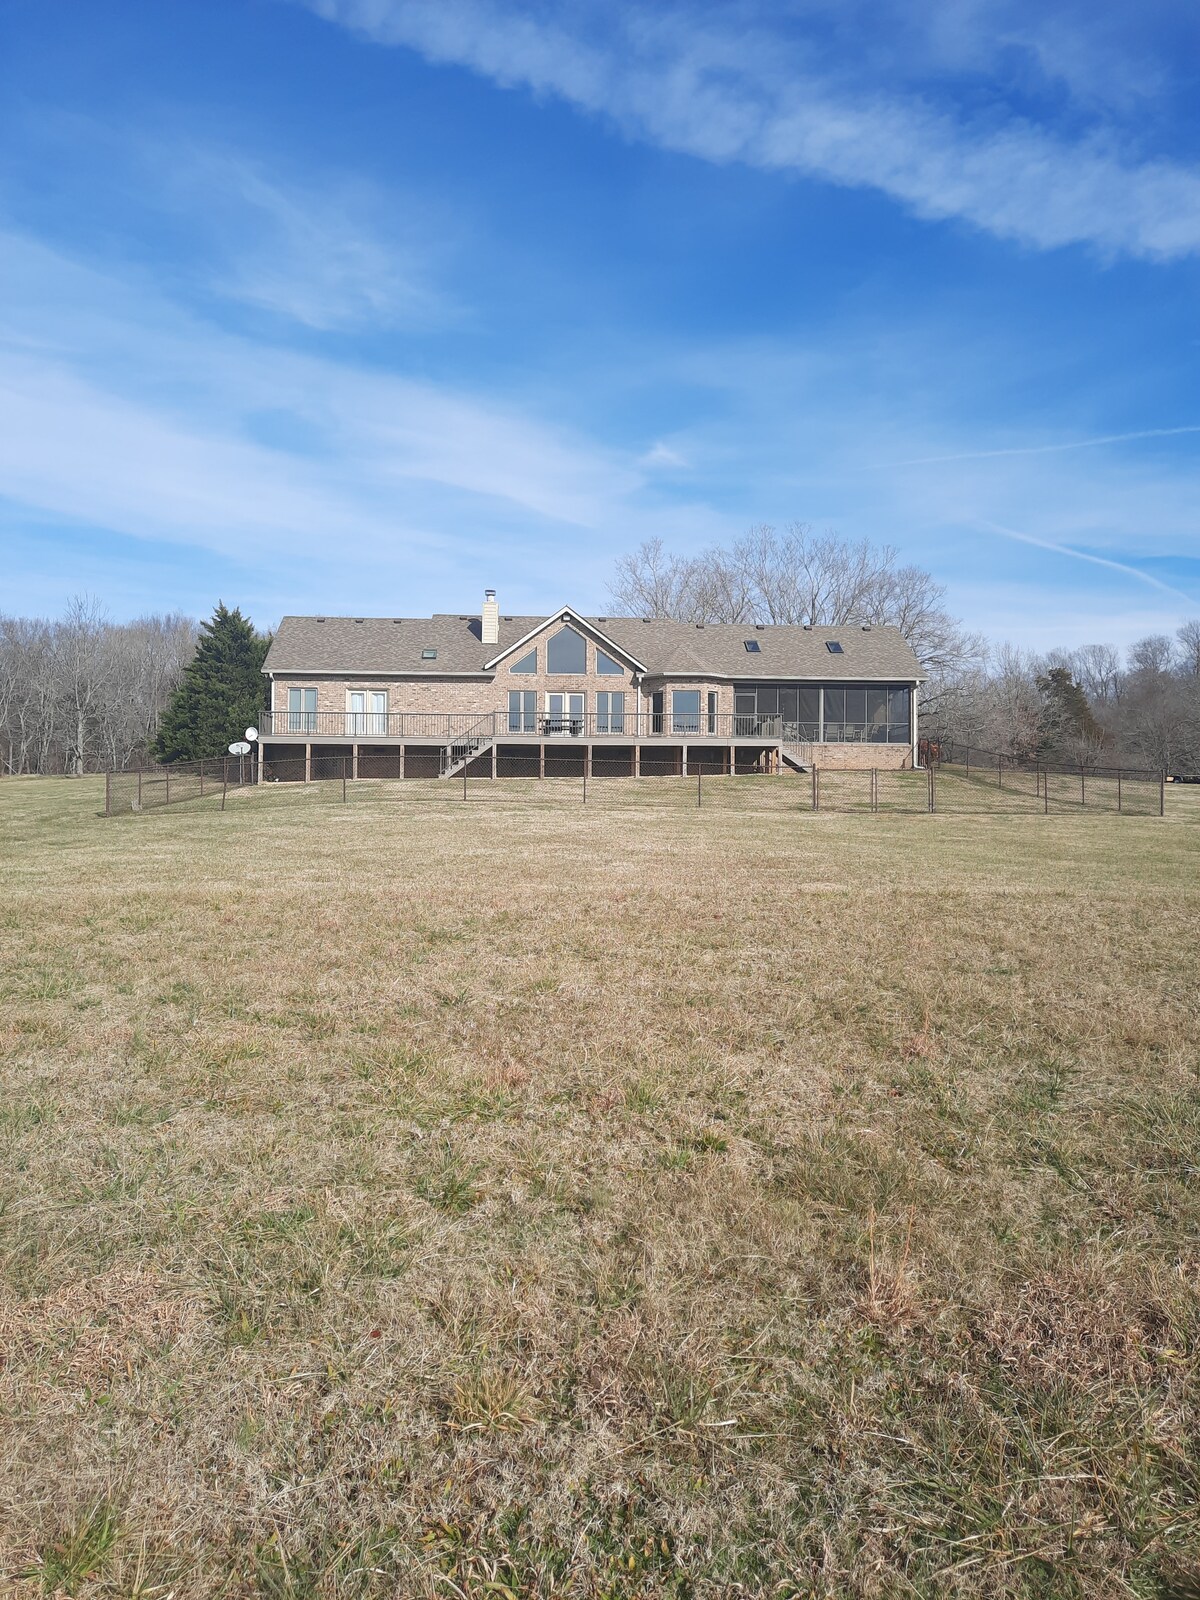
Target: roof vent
[320,619]
[360,619]
[760,626]
[508,619]
[397,620]
[699,624]
[866,627]
[647,619]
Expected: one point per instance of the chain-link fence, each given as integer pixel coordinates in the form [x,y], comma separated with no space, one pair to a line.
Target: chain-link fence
[559,778]
[154,787]
[985,780]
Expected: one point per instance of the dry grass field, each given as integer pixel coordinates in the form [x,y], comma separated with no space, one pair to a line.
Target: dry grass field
[544,1201]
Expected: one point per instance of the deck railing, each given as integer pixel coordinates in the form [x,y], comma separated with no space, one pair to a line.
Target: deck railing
[446,728]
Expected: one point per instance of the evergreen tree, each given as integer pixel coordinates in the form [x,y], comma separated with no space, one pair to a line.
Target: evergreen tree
[1066,725]
[221,693]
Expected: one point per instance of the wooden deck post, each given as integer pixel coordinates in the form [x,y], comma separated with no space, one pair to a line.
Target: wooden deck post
[637,758]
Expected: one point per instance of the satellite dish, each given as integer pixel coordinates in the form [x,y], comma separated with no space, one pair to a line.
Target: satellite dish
[239,747]
[252,734]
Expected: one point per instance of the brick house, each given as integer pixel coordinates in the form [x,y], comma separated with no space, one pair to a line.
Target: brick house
[514,696]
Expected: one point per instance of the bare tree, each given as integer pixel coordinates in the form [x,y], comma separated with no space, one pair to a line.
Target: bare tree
[797,576]
[83,692]
[1097,670]
[1189,646]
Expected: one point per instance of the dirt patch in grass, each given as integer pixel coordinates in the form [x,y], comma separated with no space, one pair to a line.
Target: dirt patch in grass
[540,1201]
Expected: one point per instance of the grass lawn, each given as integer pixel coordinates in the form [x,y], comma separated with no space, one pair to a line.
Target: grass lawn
[525,1199]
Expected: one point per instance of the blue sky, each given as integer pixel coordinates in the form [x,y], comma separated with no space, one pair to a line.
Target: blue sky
[360,305]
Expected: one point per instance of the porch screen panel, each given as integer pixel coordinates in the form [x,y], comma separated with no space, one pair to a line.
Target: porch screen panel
[899,716]
[874,714]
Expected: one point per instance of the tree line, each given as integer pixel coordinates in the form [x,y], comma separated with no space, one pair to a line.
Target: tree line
[82,693]
[1094,705]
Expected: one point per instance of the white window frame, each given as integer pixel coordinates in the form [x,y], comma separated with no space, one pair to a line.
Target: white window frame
[568,715]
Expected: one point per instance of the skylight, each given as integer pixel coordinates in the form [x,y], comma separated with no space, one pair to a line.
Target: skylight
[753,646]
[428,655]
[834,647]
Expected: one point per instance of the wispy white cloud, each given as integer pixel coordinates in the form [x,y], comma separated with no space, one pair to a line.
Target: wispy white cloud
[662,455]
[330,255]
[322,247]
[1052,449]
[119,410]
[1088,556]
[753,93]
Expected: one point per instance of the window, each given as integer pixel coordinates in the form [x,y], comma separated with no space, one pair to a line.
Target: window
[564,714]
[302,710]
[685,710]
[428,654]
[752,647]
[607,667]
[522,711]
[359,720]
[610,711]
[566,652]
[834,647]
[526,664]
[712,711]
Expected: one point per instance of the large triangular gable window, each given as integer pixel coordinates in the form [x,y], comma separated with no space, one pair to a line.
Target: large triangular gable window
[526,664]
[607,667]
[566,652]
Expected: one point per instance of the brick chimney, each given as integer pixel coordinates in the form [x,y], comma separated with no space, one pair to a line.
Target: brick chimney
[491,618]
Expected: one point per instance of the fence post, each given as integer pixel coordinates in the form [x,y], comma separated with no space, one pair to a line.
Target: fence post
[1118,788]
[585,781]
[816,789]
[202,780]
[343,780]
[139,788]
[1082,786]
[1046,791]
[108,794]
[968,761]
[224,785]
[999,772]
[874,788]
[167,771]
[932,790]
[698,801]
[1162,792]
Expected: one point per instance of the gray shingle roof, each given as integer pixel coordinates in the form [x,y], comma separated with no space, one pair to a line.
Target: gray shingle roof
[717,650]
